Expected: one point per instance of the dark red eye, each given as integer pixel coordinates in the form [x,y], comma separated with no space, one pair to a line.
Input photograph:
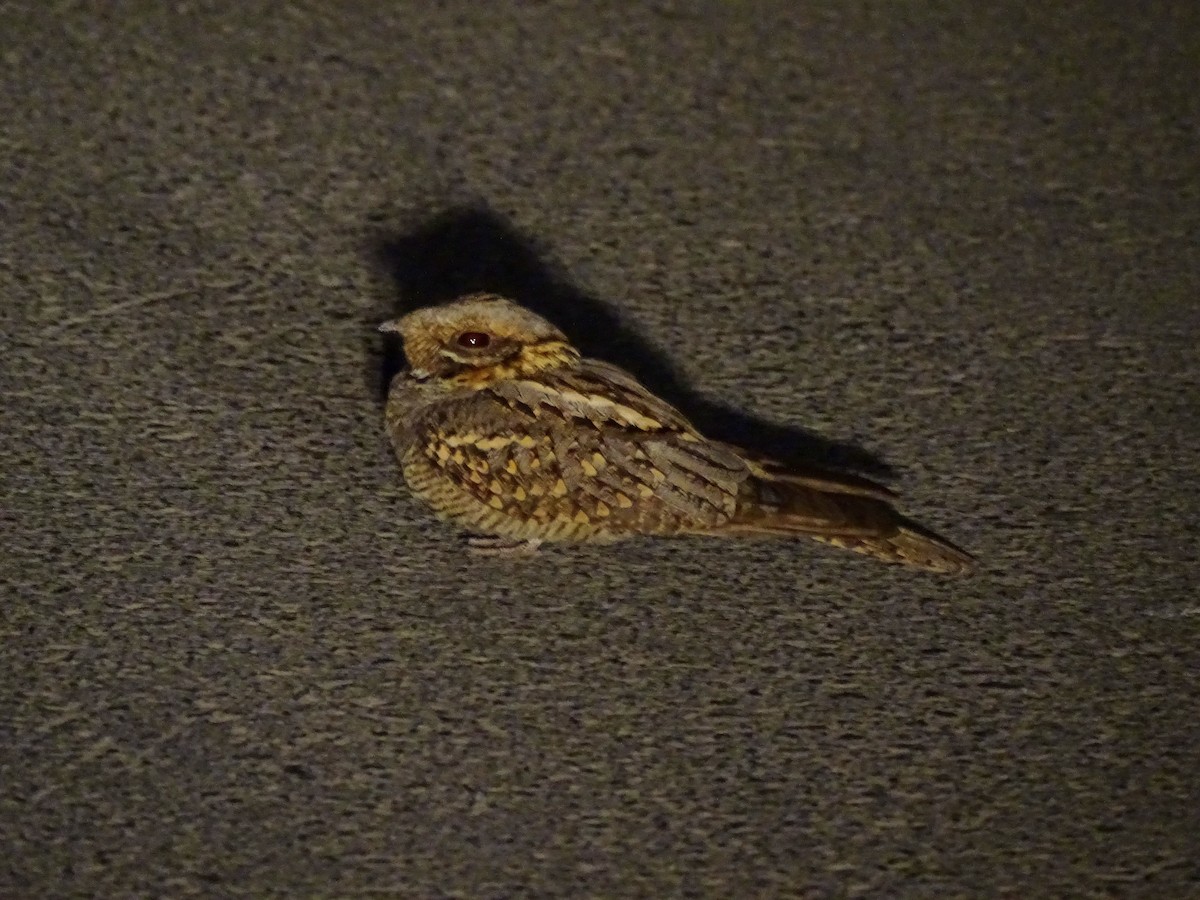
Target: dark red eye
[476,340]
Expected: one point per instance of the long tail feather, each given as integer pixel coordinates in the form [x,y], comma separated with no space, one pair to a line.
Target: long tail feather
[909,545]
[844,511]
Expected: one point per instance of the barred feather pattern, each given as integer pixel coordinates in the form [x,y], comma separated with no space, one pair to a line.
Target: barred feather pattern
[508,432]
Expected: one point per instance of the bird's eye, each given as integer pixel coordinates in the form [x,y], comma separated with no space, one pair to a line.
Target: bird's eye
[474,340]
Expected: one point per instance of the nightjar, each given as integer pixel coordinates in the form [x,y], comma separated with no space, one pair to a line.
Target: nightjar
[505,430]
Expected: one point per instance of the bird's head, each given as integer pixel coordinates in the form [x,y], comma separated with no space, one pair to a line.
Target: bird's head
[480,338]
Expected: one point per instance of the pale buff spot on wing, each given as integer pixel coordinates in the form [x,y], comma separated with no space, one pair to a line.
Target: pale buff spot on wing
[511,467]
[519,493]
[559,489]
[496,503]
[587,467]
[495,486]
[458,456]
[496,442]
[623,501]
[645,491]
[443,452]
[536,489]
[570,402]
[463,438]
[581,518]
[622,413]
[602,509]
[599,461]
[526,441]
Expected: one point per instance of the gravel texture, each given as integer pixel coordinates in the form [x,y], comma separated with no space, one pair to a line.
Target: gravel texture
[953,242]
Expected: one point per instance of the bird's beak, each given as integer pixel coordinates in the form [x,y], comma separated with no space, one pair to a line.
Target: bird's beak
[392,327]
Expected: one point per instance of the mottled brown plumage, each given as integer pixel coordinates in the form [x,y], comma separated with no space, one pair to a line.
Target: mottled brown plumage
[505,430]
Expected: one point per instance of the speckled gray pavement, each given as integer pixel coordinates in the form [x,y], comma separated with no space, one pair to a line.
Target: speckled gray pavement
[957,242]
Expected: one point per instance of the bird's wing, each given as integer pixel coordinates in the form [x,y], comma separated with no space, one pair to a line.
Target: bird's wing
[600,393]
[586,443]
[814,477]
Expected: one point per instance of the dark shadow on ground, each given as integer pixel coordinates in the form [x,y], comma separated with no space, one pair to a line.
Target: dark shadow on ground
[471,248]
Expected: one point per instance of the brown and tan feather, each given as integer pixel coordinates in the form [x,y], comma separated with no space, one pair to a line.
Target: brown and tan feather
[527,441]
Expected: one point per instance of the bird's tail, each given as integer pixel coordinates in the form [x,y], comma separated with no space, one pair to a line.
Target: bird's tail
[908,545]
[843,510]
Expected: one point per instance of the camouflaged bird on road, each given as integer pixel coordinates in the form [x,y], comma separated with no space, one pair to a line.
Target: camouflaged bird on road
[505,430]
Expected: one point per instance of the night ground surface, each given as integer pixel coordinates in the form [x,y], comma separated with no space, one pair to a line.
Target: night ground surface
[951,244]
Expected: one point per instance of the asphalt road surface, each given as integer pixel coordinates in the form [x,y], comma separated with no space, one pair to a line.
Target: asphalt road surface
[954,245]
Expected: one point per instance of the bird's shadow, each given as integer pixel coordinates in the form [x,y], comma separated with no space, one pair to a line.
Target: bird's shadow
[471,248]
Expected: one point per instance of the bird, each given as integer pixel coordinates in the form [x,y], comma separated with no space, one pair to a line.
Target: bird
[506,430]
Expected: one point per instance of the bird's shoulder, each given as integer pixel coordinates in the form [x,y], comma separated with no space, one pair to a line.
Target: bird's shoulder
[592,394]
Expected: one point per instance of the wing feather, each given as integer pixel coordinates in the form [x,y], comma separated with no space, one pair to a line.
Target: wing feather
[587,440]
